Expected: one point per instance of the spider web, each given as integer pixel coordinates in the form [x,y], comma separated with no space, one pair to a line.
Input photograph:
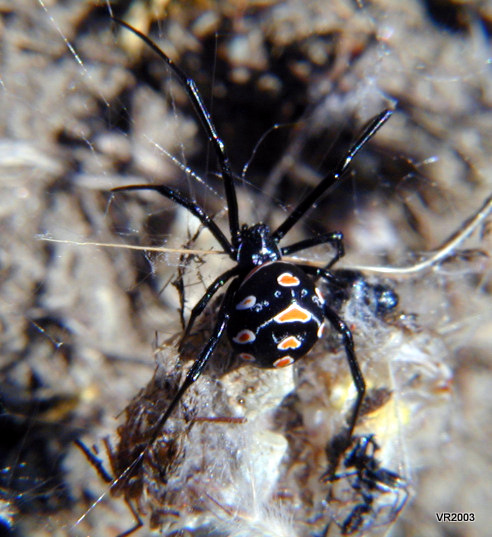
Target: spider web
[79,323]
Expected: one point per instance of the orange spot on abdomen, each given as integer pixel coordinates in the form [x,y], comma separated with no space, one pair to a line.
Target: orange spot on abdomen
[292,314]
[290,342]
[288,280]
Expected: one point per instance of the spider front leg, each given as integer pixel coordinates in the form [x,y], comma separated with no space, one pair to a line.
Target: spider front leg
[190,205]
[204,116]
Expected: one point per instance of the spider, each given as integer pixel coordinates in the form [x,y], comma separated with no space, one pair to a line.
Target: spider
[272,311]
[370,482]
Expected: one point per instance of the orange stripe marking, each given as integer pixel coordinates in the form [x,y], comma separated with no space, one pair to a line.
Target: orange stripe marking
[292,314]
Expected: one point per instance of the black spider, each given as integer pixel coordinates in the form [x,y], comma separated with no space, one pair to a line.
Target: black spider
[372,485]
[272,311]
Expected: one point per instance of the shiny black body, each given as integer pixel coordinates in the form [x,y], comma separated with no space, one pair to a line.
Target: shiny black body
[277,315]
[251,247]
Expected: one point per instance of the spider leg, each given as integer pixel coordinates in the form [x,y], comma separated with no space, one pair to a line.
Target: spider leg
[194,208]
[334,238]
[196,369]
[354,521]
[98,464]
[339,476]
[94,460]
[345,440]
[202,304]
[319,272]
[192,375]
[341,327]
[202,112]
[334,177]
[138,521]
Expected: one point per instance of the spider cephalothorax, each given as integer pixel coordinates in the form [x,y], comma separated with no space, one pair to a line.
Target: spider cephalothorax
[256,246]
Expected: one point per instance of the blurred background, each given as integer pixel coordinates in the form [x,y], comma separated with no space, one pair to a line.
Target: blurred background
[85,107]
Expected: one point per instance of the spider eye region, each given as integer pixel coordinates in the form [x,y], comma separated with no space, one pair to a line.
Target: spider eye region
[256,246]
[289,321]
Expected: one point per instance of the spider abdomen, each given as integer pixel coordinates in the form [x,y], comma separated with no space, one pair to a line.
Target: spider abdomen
[277,315]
